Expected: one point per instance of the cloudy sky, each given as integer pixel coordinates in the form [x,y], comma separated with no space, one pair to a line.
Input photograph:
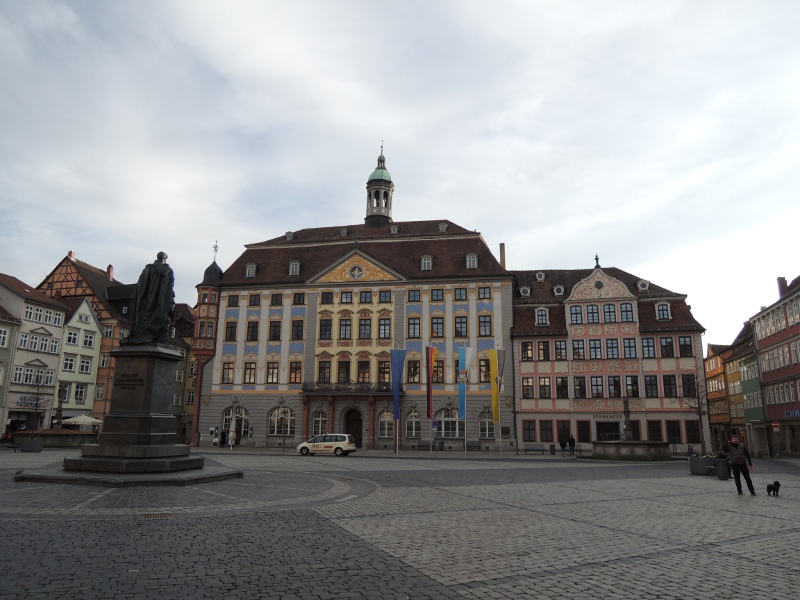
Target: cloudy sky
[663,136]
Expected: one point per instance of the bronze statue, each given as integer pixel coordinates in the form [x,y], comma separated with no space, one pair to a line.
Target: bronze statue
[152,308]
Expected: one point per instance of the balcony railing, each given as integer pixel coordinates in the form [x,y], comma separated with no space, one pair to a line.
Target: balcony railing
[348,387]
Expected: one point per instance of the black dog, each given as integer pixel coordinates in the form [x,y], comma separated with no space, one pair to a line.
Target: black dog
[773,489]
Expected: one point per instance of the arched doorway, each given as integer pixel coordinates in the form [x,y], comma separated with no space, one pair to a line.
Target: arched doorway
[353,423]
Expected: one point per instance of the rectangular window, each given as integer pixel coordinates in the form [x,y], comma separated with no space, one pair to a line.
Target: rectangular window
[298,298]
[326,298]
[692,432]
[654,431]
[252,330]
[461,327]
[80,393]
[413,327]
[254,300]
[189,396]
[105,360]
[324,372]
[193,368]
[346,297]
[592,314]
[365,329]
[325,329]
[413,295]
[562,387]
[88,339]
[561,349]
[344,371]
[295,372]
[227,373]
[575,315]
[612,348]
[274,331]
[23,340]
[384,296]
[412,371]
[484,374]
[648,348]
[108,331]
[272,372]
[485,325]
[614,390]
[54,346]
[363,371]
[526,351]
[69,363]
[72,337]
[233,301]
[670,386]
[674,432]
[542,317]
[249,372]
[437,327]
[667,348]
[34,345]
[297,330]
[230,331]
[632,386]
[484,293]
[578,350]
[609,313]
[460,294]
[685,345]
[651,386]
[86,365]
[275,299]
[626,312]
[527,387]
[546,430]
[689,386]
[365,297]
[384,371]
[438,371]
[437,295]
[629,347]
[100,391]
[544,387]
[529,431]
[597,387]
[595,350]
[663,312]
[345,329]
[384,329]
[543,350]
[579,383]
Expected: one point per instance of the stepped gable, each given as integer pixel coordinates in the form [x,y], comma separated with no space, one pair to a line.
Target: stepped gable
[318,249]
[29,292]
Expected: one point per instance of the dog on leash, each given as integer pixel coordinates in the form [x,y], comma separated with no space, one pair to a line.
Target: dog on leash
[773,489]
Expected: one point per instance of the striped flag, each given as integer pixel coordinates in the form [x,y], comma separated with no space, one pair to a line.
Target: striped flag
[398,358]
[466,357]
[430,354]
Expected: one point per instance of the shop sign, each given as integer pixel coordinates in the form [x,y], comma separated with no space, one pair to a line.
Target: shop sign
[606,416]
[792,414]
[30,401]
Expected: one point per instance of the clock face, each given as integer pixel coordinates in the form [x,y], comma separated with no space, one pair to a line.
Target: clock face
[356,272]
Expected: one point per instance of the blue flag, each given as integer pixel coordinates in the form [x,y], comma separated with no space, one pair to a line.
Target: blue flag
[398,358]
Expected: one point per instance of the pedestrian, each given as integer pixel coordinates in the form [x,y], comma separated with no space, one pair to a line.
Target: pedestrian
[563,444]
[740,459]
[572,446]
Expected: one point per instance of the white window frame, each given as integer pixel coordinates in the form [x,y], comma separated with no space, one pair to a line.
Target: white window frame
[73,336]
[250,270]
[426,263]
[472,260]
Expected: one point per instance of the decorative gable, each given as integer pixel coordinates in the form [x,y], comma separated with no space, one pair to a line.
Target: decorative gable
[356,267]
[599,285]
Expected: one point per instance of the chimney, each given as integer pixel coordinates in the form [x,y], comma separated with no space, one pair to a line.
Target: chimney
[503,255]
[110,272]
[782,287]
[71,254]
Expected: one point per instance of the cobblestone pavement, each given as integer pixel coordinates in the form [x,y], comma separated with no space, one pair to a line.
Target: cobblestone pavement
[379,526]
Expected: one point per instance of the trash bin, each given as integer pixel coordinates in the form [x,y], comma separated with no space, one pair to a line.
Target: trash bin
[722,468]
[553,449]
[441,445]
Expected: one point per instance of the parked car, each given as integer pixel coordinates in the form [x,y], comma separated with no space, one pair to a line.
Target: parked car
[340,444]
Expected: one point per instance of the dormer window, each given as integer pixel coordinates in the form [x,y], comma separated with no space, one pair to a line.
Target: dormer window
[294,267]
[540,276]
[427,263]
[343,232]
[394,228]
[472,261]
[662,312]
[643,285]
[289,235]
[525,291]
[542,316]
[558,290]
[442,227]
[250,270]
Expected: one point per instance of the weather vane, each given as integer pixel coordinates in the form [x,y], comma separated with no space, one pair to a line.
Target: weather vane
[215,247]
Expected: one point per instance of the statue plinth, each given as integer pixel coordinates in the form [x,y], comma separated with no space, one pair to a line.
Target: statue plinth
[139,432]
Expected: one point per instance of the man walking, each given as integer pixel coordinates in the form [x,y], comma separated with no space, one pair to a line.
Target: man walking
[740,459]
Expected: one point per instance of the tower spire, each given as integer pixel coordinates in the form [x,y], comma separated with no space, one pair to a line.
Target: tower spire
[380,190]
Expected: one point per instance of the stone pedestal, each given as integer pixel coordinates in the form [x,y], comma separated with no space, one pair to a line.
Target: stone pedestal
[139,432]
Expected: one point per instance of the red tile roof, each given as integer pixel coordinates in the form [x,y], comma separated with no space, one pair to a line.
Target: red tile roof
[29,292]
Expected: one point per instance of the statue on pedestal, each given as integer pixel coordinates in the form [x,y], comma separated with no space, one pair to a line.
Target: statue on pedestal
[152,308]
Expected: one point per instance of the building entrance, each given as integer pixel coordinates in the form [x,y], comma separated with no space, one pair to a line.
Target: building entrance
[353,424]
[608,430]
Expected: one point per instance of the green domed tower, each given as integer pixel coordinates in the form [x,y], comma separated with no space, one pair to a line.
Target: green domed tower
[379,196]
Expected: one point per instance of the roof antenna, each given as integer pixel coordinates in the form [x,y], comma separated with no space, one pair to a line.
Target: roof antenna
[381,147]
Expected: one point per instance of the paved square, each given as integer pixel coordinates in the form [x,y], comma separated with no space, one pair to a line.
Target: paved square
[416,526]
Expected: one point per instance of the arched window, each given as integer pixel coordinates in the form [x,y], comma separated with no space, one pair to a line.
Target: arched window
[427,263]
[281,421]
[294,267]
[386,424]
[250,270]
[450,426]
[486,425]
[413,425]
[319,423]
[236,422]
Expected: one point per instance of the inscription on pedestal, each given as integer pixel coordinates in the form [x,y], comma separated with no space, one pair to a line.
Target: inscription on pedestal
[129,381]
